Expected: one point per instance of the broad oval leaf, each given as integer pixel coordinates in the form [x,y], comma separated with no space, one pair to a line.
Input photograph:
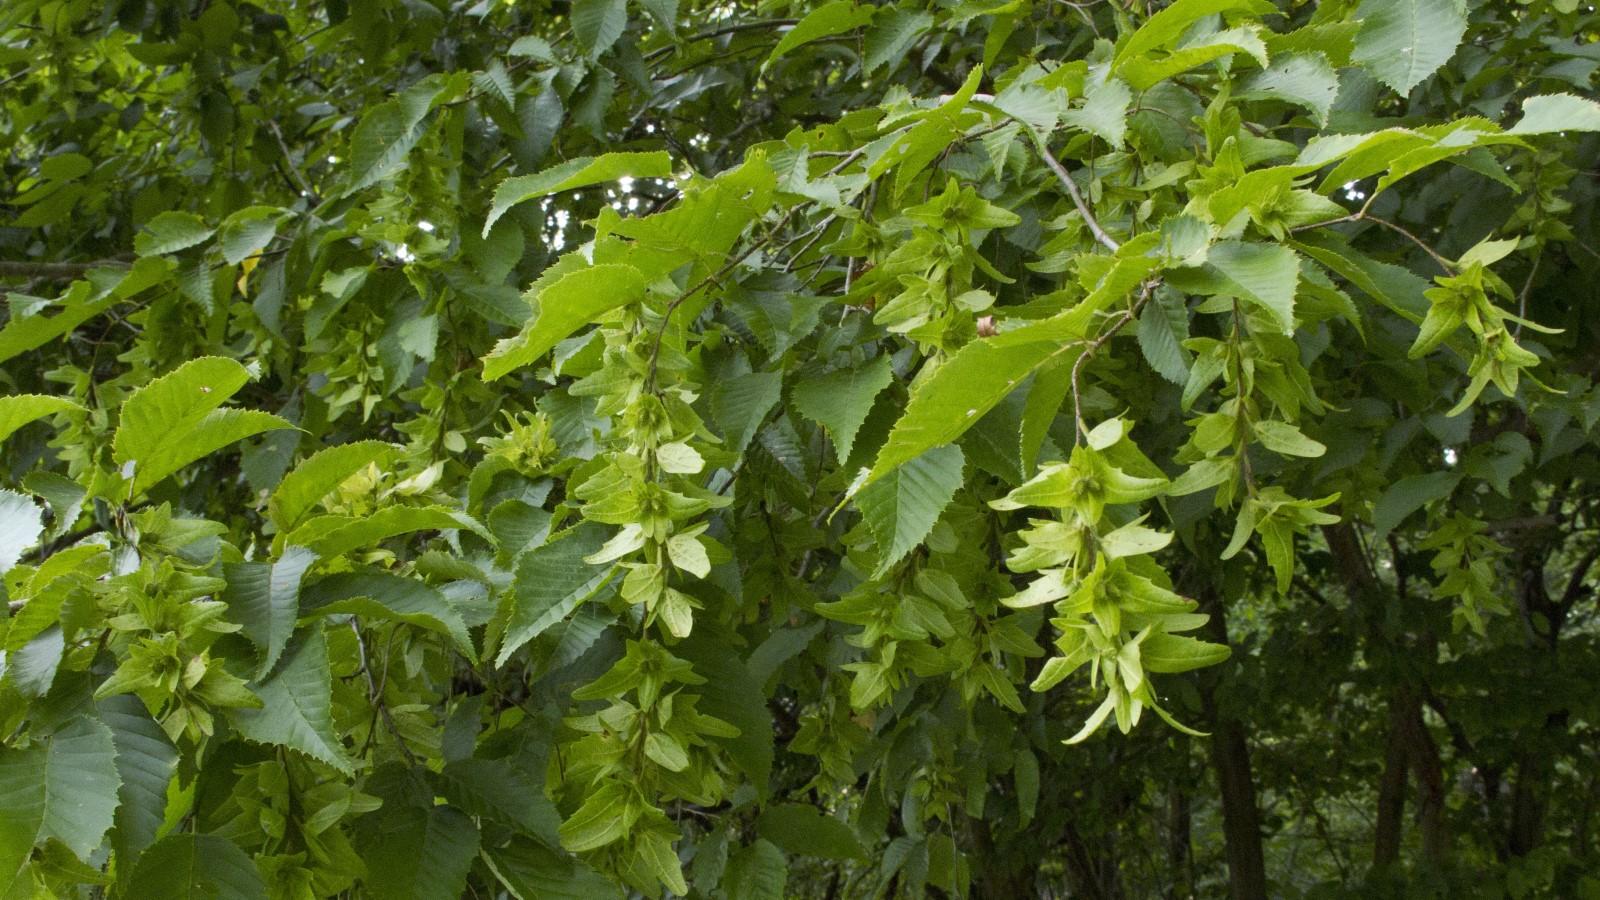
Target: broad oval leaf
[196,867]
[19,410]
[297,704]
[319,475]
[575,173]
[385,596]
[175,419]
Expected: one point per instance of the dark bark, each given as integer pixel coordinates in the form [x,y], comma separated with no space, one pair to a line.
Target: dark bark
[1180,856]
[1410,748]
[1391,790]
[1530,792]
[1230,758]
[1428,766]
[1544,618]
[1086,877]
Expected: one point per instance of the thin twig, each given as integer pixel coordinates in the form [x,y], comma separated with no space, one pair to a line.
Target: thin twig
[1072,188]
[55,269]
[707,35]
[1117,325]
[1445,264]
[380,708]
[299,177]
[1522,296]
[1361,215]
[702,284]
[15,75]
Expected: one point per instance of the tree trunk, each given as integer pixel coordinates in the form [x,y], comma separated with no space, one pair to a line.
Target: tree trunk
[1230,757]
[1410,747]
[1085,877]
[1391,789]
[1530,794]
[1544,617]
[1180,856]
[1423,754]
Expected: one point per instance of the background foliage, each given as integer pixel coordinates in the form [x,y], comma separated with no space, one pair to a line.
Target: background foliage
[540,449]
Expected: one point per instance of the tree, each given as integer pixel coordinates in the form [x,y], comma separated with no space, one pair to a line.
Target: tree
[560,449]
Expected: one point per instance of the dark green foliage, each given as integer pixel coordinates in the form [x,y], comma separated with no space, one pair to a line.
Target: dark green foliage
[501,449]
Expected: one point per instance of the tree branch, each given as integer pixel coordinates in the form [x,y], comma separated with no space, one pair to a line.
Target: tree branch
[1071,186]
[379,707]
[1128,315]
[28,269]
[708,34]
[298,177]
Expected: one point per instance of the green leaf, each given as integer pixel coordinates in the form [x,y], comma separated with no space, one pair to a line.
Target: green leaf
[1194,54]
[264,598]
[1025,772]
[757,872]
[1555,113]
[170,232]
[1133,539]
[21,523]
[196,867]
[19,410]
[31,668]
[701,227]
[803,830]
[969,384]
[1170,24]
[665,14]
[319,475]
[1163,326]
[653,852]
[599,821]
[146,762]
[740,404]
[1304,79]
[424,854]
[330,536]
[1283,438]
[825,21]
[1398,289]
[297,704]
[499,790]
[1170,653]
[576,173]
[1263,274]
[736,695]
[839,401]
[247,232]
[551,582]
[902,507]
[598,23]
[1408,495]
[919,145]
[569,303]
[1401,42]
[1104,111]
[388,597]
[63,787]
[531,872]
[80,304]
[891,36]
[175,420]
[22,802]
[385,136]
